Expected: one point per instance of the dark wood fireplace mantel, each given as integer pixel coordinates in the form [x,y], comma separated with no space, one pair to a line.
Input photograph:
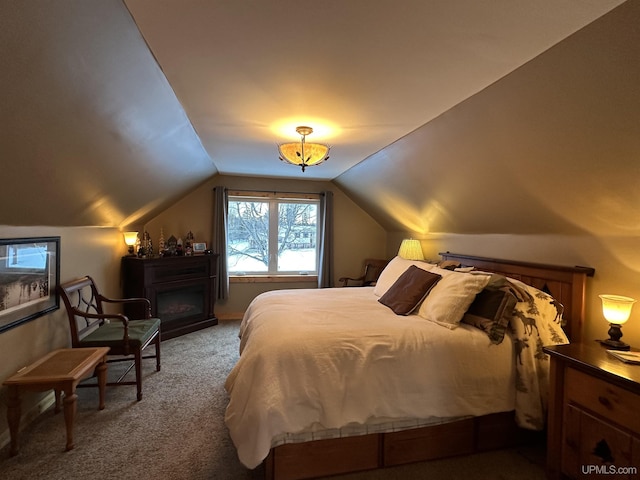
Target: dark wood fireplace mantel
[181,290]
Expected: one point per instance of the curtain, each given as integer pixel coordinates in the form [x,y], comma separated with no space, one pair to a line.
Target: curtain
[325,235]
[220,202]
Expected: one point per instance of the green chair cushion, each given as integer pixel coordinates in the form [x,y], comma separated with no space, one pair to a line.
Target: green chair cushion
[111,334]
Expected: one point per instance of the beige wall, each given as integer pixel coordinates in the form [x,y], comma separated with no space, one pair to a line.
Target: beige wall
[92,251]
[357,235]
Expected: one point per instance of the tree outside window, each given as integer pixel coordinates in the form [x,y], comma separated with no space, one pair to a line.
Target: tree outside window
[272,236]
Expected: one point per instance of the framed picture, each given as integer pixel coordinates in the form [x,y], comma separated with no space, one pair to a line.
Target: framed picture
[199,247]
[29,276]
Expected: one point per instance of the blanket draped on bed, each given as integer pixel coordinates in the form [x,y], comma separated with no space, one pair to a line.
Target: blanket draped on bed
[536,322]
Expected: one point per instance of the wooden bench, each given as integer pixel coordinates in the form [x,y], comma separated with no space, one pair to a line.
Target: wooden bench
[60,370]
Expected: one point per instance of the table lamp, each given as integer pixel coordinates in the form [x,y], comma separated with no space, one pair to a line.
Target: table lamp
[616,310]
[130,238]
[411,249]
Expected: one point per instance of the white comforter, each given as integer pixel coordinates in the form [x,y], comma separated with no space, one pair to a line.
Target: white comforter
[331,357]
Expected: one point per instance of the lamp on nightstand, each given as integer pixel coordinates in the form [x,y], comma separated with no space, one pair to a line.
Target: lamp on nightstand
[616,310]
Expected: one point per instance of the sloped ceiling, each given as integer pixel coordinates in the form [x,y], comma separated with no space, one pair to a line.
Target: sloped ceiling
[91,132]
[367,71]
[112,109]
[552,148]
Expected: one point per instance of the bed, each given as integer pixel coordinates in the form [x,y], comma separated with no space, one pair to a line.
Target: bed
[337,380]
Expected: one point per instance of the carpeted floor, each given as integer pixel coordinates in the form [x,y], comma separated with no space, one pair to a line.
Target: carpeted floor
[177,431]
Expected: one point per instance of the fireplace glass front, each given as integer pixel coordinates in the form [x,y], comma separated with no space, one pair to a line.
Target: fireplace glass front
[181,303]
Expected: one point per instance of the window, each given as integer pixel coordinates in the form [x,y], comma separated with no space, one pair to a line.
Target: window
[272,234]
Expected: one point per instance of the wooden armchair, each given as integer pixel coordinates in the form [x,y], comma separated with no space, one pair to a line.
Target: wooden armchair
[92,327]
[371,270]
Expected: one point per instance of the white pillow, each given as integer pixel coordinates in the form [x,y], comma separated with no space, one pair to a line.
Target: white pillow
[393,270]
[451,297]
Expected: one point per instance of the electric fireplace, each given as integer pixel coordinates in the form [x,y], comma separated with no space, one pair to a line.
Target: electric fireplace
[181,290]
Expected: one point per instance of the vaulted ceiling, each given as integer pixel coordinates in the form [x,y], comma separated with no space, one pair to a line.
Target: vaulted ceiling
[112,109]
[363,73]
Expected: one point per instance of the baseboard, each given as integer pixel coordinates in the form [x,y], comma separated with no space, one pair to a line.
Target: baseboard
[29,416]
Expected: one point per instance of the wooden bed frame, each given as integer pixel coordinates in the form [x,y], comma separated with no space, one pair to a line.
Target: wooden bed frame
[365,452]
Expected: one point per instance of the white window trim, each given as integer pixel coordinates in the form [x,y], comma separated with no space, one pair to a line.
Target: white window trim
[272,275]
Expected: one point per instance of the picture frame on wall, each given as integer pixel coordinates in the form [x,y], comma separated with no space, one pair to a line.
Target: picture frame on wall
[29,277]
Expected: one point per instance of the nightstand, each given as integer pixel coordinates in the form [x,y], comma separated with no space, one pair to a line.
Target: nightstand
[594,414]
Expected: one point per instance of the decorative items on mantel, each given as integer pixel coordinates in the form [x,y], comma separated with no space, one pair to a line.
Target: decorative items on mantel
[172,247]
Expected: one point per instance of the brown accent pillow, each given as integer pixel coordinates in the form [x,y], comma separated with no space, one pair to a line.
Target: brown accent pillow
[490,312]
[404,296]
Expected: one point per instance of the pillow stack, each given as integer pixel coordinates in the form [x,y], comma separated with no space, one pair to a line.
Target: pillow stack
[409,290]
[452,296]
[484,300]
[393,270]
[438,295]
[491,312]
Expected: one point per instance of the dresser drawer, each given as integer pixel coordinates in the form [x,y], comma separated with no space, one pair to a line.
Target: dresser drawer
[609,401]
[589,441]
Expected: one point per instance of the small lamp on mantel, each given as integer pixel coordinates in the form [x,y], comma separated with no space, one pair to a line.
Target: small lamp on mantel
[616,310]
[130,238]
[411,249]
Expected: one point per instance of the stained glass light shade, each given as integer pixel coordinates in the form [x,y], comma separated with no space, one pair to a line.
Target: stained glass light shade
[302,153]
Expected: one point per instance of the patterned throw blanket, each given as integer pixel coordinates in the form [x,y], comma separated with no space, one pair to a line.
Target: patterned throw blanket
[536,322]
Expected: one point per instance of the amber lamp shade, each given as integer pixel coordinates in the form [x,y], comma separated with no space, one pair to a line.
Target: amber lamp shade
[616,310]
[130,238]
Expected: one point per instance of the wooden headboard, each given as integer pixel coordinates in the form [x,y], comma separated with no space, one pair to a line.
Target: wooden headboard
[565,284]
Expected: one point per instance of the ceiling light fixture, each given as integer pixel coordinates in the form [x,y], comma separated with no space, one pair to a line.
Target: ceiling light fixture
[303,154]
